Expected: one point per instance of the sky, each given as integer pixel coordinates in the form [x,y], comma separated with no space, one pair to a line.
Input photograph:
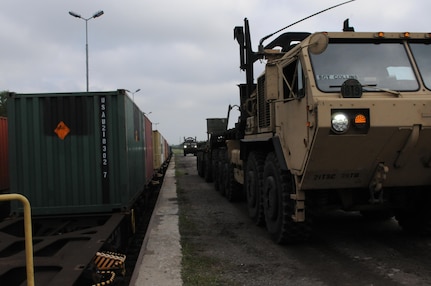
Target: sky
[180,54]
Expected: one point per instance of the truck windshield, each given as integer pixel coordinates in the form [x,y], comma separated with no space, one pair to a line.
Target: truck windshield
[421,53]
[376,66]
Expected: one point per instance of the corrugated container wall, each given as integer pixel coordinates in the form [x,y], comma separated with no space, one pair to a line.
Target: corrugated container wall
[149,167]
[76,152]
[158,149]
[4,158]
[167,151]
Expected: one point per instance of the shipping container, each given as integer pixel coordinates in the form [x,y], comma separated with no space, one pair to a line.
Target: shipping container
[157,149]
[76,152]
[149,167]
[167,151]
[4,158]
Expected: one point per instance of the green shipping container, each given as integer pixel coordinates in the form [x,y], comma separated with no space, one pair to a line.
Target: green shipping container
[76,152]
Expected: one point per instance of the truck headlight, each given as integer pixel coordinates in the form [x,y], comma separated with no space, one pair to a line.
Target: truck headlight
[340,122]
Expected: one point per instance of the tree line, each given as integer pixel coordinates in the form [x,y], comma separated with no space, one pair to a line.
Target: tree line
[3,103]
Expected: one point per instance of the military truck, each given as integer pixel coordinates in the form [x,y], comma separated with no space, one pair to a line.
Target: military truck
[190,146]
[337,120]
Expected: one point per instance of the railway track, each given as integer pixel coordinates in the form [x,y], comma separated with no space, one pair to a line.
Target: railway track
[85,249]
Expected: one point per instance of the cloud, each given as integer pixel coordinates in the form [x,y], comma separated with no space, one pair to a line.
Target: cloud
[181,54]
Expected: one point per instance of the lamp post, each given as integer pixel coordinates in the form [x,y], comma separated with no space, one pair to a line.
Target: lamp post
[97,14]
[133,93]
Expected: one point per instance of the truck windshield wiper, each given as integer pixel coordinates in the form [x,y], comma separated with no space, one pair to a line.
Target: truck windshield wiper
[374,86]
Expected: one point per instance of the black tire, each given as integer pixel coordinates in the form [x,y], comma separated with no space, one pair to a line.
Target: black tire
[215,168]
[278,206]
[221,172]
[253,185]
[207,169]
[200,165]
[233,190]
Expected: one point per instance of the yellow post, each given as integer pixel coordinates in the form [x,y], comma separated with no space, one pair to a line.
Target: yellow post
[27,232]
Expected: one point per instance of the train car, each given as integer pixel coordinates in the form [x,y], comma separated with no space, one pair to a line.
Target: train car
[4,158]
[162,152]
[76,152]
[85,162]
[149,162]
[168,151]
[4,167]
[159,149]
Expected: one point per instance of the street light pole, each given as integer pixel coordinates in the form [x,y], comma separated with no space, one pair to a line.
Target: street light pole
[97,14]
[133,93]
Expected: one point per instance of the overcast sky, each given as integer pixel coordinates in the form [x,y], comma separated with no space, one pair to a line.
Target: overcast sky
[180,53]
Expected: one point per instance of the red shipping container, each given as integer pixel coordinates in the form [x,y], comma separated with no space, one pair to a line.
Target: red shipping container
[4,157]
[149,166]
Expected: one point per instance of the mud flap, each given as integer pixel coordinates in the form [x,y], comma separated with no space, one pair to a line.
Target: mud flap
[299,212]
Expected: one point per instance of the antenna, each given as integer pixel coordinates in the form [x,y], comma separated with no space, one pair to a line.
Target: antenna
[324,10]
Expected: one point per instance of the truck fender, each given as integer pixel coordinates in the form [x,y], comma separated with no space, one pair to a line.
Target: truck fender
[248,145]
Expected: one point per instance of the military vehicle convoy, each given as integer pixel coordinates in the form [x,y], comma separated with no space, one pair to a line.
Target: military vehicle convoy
[337,120]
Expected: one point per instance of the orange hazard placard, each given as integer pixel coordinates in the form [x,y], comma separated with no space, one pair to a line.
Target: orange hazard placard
[62,130]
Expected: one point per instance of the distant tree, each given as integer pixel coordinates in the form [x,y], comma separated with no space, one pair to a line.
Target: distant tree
[3,102]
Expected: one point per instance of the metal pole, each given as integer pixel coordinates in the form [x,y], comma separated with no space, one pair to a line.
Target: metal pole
[98,14]
[86,50]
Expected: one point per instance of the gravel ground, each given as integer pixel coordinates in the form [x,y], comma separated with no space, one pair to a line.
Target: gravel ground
[222,246]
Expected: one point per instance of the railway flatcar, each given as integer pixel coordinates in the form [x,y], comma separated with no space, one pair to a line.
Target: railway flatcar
[85,161]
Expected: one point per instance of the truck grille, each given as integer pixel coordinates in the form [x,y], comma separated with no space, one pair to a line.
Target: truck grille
[263,110]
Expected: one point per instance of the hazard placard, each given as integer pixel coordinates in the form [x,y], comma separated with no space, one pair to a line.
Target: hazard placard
[62,130]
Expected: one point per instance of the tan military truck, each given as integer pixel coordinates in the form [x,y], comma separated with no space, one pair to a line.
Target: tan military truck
[336,120]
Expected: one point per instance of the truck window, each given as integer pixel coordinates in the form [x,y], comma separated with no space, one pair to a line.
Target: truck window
[375,66]
[293,80]
[421,53]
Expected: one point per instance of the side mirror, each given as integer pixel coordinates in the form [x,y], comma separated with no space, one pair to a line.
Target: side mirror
[318,43]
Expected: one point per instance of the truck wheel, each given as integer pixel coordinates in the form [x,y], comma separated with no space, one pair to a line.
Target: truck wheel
[200,165]
[215,169]
[278,205]
[221,172]
[207,168]
[253,186]
[232,187]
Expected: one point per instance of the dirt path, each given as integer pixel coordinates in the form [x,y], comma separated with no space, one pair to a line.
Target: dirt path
[228,249]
